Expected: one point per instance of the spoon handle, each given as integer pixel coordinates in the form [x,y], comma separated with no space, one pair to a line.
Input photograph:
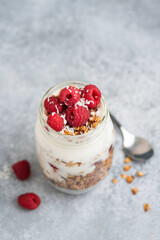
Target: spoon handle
[115,121]
[126,135]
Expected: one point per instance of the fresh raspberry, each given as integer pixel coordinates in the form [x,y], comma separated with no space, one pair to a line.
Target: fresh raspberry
[69,95]
[53,104]
[22,169]
[29,201]
[56,122]
[77,116]
[92,95]
[81,91]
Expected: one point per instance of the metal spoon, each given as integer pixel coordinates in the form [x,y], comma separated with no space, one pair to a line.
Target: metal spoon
[136,148]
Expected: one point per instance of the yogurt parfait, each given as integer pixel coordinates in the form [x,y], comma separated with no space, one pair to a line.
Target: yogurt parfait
[74,136]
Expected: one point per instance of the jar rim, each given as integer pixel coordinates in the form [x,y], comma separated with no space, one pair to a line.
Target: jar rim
[54,133]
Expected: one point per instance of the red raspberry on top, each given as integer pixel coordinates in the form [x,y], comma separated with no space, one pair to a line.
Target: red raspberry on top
[29,201]
[56,122]
[92,95]
[53,104]
[22,169]
[77,116]
[81,91]
[69,95]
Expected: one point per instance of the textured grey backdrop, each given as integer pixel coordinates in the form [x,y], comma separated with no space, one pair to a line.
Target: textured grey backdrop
[114,44]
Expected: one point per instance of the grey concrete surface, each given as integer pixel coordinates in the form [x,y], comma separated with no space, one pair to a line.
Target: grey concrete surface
[114,44]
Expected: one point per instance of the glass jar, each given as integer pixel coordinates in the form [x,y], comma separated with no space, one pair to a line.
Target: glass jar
[74,164]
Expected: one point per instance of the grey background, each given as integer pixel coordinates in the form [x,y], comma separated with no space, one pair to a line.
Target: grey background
[114,44]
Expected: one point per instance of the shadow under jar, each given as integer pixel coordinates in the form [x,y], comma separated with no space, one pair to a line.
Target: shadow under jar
[74,164]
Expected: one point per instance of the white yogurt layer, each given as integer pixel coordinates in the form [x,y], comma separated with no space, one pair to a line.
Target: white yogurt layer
[53,152]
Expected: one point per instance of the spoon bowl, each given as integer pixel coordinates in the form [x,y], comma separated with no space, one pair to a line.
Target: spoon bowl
[137,148]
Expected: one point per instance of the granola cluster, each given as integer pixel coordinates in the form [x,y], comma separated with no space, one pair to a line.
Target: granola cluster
[92,122]
[80,182]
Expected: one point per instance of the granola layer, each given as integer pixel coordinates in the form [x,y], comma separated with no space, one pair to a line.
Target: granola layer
[80,182]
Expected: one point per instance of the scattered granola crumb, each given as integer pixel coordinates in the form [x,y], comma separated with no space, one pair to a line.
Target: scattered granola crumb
[134,191]
[129,179]
[66,132]
[76,133]
[81,130]
[139,174]
[123,176]
[146,207]
[86,130]
[114,180]
[96,121]
[126,168]
[127,160]
[71,164]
